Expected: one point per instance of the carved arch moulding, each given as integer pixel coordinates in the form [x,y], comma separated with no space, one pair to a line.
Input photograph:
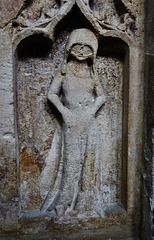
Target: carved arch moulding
[78,82]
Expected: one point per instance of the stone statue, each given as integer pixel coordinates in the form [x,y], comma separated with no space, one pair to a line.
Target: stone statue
[77,188]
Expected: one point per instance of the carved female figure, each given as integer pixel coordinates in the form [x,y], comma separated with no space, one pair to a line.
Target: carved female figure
[77,189]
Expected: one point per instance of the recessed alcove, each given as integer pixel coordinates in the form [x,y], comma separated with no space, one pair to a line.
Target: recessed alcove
[34,46]
[74,20]
[113,71]
[33,73]
[37,63]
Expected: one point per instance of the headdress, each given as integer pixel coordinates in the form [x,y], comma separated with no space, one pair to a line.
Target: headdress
[81,36]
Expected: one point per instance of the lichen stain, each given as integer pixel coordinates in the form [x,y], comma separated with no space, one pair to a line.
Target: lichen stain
[29,165]
[89,179]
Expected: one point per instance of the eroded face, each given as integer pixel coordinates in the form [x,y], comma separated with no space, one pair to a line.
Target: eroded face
[81,52]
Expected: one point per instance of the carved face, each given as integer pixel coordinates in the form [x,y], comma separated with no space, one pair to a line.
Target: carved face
[81,52]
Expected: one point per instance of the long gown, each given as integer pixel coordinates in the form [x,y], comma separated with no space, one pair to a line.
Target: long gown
[77,188]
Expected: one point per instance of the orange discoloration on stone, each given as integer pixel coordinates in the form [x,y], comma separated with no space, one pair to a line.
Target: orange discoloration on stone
[28,163]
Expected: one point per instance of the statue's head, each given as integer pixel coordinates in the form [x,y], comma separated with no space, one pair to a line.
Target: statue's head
[82,44]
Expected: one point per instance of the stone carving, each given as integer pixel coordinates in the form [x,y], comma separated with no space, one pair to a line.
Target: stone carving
[77,168]
[77,188]
[36,13]
[105,13]
[118,16]
[76,172]
[40,153]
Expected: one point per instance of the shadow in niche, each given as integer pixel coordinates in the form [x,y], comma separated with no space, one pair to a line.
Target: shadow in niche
[34,46]
[112,47]
[74,20]
[58,2]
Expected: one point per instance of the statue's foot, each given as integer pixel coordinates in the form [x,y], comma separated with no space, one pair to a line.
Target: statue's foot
[51,214]
[70,212]
[59,210]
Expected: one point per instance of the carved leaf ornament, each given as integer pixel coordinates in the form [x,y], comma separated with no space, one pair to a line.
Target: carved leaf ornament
[124,29]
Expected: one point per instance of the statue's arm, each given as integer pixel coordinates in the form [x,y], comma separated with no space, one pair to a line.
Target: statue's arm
[53,96]
[53,93]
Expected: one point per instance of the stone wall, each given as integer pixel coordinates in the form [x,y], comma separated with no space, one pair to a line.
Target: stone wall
[71,133]
[148,163]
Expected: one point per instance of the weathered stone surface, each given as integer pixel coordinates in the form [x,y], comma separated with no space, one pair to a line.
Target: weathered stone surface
[148,163]
[8,166]
[76,169]
[30,143]
[37,11]
[9,10]
[7,131]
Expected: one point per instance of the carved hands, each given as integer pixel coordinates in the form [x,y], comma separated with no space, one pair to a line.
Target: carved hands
[78,120]
[86,116]
[68,117]
[71,119]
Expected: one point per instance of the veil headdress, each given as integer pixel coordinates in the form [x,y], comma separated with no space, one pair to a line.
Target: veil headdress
[81,36]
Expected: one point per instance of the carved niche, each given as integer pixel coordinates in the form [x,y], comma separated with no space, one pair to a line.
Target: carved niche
[75,119]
